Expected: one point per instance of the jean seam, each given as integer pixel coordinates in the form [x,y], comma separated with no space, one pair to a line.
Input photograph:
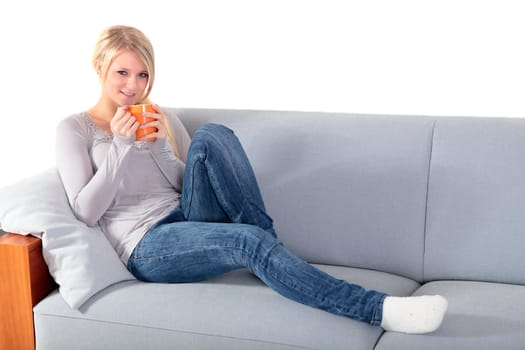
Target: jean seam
[343,310]
[336,306]
[284,281]
[377,317]
[263,263]
[189,204]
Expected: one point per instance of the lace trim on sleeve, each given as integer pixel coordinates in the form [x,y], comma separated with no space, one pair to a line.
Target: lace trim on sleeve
[100,136]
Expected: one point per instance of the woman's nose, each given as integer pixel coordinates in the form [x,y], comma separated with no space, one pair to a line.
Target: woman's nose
[131,83]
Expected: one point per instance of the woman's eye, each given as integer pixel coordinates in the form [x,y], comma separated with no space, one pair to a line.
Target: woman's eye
[122,72]
[144,75]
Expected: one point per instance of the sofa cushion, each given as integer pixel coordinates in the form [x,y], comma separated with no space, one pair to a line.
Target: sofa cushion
[234,311]
[79,258]
[481,316]
[476,201]
[343,189]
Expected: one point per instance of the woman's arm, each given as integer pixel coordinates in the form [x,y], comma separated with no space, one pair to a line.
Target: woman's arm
[89,193]
[171,167]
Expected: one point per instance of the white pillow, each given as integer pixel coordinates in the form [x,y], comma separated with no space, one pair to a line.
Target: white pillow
[80,258]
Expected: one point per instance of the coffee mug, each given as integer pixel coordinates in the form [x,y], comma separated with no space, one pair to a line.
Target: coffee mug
[137,111]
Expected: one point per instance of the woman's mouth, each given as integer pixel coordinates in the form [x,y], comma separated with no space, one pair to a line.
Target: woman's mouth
[128,94]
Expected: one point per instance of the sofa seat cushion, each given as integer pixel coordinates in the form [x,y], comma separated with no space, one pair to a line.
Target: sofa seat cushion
[234,311]
[480,316]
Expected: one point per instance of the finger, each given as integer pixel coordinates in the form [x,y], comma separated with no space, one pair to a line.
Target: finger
[159,122]
[127,123]
[154,123]
[154,135]
[157,114]
[156,108]
[119,117]
[126,126]
[133,129]
[150,136]
[153,115]
[120,113]
[123,108]
[160,127]
[121,126]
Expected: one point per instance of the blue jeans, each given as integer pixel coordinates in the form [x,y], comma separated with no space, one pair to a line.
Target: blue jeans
[222,225]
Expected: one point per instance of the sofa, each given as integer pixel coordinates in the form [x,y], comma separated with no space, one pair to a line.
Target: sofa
[408,205]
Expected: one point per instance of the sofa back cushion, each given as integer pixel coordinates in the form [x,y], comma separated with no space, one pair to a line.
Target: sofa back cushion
[476,201]
[342,189]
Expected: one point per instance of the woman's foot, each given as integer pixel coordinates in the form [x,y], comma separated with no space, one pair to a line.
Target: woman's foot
[415,315]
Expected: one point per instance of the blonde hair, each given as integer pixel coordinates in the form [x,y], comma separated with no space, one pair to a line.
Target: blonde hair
[119,37]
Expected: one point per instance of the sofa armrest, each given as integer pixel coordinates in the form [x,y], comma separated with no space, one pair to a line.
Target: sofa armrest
[25,281]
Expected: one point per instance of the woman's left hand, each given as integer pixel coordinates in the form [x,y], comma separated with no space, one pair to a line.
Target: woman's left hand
[158,123]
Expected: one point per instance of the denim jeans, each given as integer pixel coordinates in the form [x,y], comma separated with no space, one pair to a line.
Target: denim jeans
[222,225]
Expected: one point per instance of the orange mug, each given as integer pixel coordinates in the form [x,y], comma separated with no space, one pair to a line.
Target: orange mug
[136,111]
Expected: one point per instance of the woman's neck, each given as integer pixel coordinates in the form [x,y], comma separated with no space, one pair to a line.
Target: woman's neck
[101,114]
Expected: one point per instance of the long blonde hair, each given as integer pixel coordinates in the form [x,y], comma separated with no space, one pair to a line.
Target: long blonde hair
[119,37]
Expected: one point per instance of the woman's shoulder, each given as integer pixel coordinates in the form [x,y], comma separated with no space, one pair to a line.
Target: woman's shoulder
[75,120]
[77,123]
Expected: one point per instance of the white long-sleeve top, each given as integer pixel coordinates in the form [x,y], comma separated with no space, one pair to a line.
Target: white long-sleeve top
[119,184]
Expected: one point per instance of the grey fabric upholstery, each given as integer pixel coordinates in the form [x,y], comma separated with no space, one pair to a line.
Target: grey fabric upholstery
[235,311]
[476,206]
[403,204]
[341,190]
[482,316]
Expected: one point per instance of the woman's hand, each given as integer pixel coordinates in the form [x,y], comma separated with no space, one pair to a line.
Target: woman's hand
[123,123]
[158,123]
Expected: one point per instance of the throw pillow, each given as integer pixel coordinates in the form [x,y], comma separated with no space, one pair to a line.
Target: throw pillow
[80,258]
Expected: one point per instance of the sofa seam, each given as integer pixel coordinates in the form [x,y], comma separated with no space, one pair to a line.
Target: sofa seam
[175,330]
[427,200]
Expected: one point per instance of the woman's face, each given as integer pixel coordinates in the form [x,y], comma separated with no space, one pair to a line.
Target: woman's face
[126,79]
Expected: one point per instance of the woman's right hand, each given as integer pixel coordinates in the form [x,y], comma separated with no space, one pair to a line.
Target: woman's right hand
[123,123]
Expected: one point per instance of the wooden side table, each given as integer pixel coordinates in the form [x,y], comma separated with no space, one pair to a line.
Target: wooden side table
[24,281]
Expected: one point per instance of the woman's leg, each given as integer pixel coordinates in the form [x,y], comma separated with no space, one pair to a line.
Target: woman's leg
[219,182]
[219,185]
[194,251]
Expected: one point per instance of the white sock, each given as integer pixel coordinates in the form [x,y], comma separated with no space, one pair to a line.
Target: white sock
[417,315]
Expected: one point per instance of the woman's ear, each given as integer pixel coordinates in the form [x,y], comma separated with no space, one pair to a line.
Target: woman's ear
[98,68]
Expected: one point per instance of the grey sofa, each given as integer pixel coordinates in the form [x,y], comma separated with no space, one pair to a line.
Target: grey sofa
[408,205]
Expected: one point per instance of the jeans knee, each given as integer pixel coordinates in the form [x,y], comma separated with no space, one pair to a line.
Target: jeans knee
[254,232]
[213,139]
[214,127]
[209,137]
[213,131]
[259,240]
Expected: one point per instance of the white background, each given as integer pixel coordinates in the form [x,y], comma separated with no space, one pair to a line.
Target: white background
[442,58]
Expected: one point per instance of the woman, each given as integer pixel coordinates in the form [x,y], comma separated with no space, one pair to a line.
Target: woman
[177,210]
